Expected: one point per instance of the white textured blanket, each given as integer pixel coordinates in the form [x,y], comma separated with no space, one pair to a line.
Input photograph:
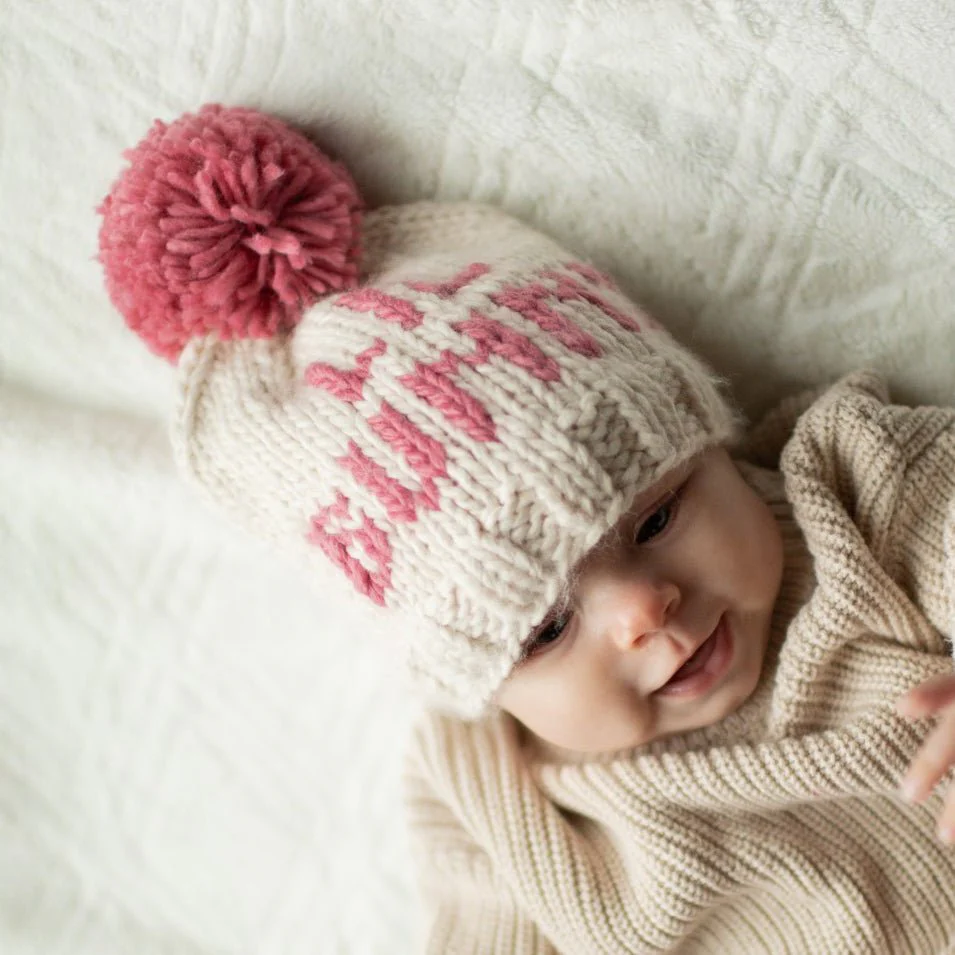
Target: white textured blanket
[200,754]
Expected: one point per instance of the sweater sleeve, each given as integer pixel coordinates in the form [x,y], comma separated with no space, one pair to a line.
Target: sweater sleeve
[469,911]
[894,467]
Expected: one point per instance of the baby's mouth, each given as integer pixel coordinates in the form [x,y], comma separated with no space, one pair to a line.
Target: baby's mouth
[690,679]
[696,662]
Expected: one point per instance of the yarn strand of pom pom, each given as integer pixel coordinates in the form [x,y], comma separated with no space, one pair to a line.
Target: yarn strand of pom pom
[226,222]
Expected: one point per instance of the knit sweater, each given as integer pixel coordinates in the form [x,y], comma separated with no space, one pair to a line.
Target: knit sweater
[780,828]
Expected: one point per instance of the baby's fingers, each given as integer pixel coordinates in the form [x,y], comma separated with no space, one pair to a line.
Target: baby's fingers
[928,697]
[946,818]
[932,760]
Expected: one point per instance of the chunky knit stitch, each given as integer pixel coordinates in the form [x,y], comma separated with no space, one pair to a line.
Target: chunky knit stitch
[778,829]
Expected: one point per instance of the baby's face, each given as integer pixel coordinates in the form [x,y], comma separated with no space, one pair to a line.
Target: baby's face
[694,565]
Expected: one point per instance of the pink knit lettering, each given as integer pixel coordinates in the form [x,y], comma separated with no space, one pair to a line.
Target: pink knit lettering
[495,338]
[335,546]
[447,364]
[432,384]
[388,308]
[347,385]
[397,499]
[528,301]
[592,275]
[446,289]
[424,454]
[570,289]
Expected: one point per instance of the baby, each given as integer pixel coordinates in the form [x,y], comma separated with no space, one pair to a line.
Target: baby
[672,663]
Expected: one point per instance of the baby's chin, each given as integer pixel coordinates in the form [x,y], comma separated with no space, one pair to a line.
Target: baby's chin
[605,740]
[565,750]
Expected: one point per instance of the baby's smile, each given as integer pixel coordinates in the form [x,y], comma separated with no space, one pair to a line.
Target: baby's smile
[705,667]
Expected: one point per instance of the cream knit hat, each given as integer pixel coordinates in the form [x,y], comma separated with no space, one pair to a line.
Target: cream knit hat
[453,426]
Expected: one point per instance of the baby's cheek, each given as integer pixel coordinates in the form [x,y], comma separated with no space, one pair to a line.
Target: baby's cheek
[534,703]
[566,713]
[747,546]
[595,719]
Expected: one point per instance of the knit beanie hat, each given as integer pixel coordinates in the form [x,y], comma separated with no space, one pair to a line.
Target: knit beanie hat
[450,419]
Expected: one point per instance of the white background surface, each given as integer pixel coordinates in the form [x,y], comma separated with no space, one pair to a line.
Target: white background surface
[198,752]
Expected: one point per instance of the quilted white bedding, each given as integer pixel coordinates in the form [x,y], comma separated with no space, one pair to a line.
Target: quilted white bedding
[200,753]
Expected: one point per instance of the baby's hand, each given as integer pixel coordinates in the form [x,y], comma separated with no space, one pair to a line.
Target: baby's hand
[934,696]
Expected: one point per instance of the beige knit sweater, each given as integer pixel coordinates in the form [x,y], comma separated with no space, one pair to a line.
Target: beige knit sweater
[779,829]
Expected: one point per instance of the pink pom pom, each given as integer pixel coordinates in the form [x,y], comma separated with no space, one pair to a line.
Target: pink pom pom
[226,222]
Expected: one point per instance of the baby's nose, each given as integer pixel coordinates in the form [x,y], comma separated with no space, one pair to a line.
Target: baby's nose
[638,608]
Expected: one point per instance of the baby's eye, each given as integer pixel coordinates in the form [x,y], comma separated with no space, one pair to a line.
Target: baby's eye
[660,519]
[550,633]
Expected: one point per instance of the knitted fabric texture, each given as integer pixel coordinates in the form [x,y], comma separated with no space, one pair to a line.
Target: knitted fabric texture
[453,434]
[779,828]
